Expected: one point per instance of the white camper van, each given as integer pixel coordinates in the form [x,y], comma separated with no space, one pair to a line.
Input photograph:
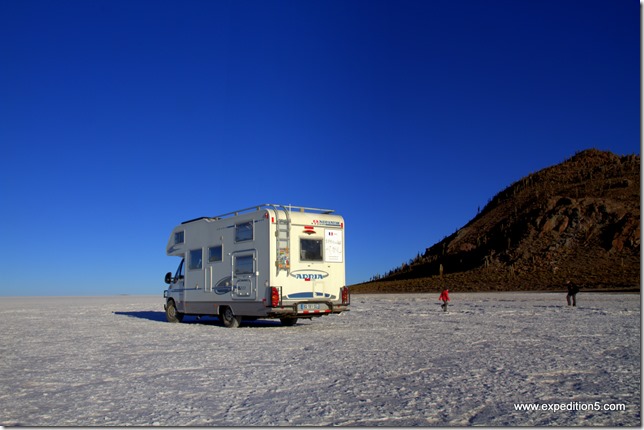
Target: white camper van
[267,261]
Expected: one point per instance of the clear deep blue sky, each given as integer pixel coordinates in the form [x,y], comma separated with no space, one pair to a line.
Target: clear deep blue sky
[121,119]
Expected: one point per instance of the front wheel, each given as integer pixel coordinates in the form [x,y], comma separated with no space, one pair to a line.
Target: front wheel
[171,313]
[229,319]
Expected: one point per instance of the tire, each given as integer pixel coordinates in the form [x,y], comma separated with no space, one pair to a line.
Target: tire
[229,319]
[288,321]
[171,313]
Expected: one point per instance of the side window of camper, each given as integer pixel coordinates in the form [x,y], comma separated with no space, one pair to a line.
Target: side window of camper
[311,249]
[215,253]
[195,259]
[244,231]
[178,237]
[243,265]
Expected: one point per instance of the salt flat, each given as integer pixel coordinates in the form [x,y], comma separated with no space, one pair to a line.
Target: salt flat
[393,360]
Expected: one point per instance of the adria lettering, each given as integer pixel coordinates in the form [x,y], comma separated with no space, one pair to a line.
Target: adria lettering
[309,275]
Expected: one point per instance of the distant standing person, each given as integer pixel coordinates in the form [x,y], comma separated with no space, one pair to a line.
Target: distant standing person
[445,298]
[573,289]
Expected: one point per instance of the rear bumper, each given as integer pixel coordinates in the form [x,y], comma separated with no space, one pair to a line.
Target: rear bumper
[294,310]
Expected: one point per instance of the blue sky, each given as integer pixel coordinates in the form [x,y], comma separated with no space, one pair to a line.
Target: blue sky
[121,119]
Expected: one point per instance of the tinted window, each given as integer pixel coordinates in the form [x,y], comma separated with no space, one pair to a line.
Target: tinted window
[178,237]
[244,265]
[244,231]
[214,253]
[311,249]
[195,259]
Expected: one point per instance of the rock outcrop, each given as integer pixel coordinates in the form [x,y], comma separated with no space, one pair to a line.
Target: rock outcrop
[578,220]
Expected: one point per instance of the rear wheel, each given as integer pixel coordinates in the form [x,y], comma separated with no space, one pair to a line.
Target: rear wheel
[171,313]
[229,319]
[288,321]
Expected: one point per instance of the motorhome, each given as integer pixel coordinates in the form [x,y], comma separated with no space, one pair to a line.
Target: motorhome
[266,261]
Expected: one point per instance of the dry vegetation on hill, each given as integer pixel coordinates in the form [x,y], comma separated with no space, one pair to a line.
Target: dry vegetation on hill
[578,220]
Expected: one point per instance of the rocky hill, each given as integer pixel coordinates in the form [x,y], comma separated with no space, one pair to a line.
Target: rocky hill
[578,221]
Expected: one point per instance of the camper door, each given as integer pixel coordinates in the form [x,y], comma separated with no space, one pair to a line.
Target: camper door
[244,276]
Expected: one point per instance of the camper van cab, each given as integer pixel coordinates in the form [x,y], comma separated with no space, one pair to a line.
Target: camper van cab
[267,261]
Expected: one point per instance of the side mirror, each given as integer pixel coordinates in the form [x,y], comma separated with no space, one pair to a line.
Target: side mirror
[168,278]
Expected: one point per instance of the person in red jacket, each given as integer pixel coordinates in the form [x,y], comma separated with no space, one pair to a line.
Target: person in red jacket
[445,298]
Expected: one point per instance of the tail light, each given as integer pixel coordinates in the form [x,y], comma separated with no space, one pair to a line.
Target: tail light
[275,296]
[345,295]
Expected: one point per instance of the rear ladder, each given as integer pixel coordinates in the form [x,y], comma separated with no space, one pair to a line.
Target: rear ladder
[283,240]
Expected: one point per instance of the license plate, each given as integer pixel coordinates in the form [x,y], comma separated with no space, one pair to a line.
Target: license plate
[311,306]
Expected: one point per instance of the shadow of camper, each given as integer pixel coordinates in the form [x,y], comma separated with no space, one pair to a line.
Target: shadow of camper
[146,315]
[189,319]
